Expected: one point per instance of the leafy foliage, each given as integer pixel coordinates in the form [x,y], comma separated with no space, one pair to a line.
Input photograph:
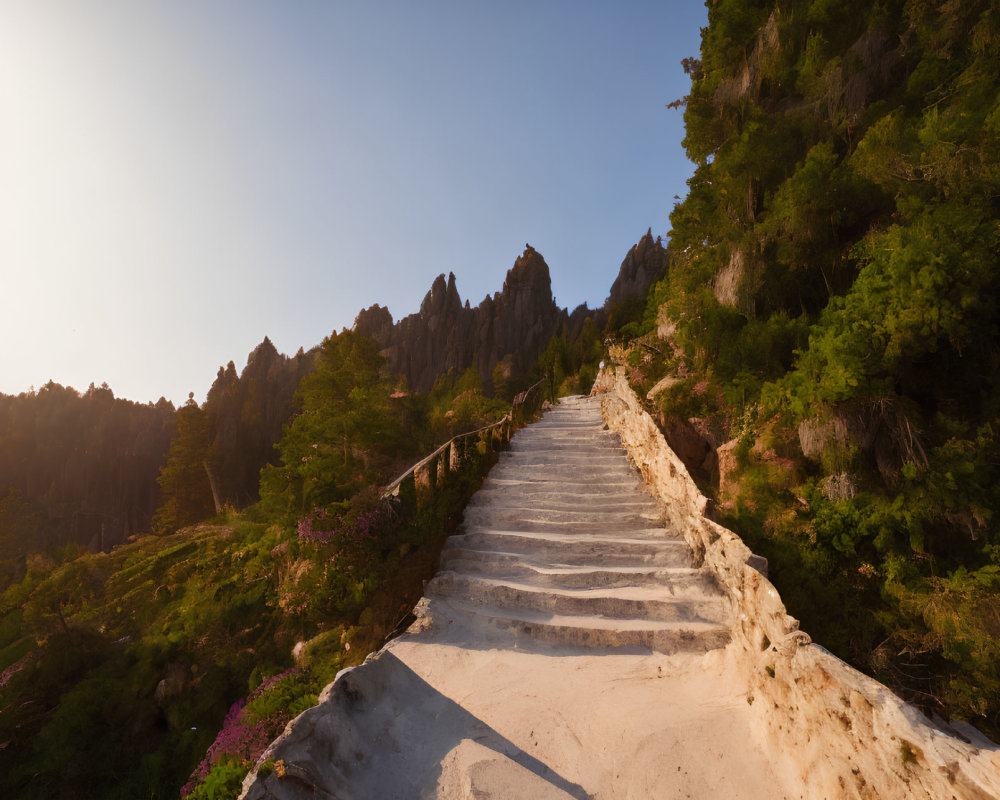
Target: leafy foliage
[184,480]
[349,433]
[143,645]
[833,287]
[569,363]
[118,667]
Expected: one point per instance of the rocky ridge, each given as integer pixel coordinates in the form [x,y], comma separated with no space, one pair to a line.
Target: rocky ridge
[508,328]
[644,264]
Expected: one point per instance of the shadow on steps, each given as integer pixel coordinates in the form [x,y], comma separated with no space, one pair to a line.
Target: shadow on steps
[380,730]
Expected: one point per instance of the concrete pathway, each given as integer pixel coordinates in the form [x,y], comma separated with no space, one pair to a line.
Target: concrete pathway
[567,649]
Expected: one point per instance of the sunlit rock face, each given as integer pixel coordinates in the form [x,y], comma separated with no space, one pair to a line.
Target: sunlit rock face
[644,264]
[511,326]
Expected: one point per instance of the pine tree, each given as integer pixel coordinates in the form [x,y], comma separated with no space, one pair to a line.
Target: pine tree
[185,492]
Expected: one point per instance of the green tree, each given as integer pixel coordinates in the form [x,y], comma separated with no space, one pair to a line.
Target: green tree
[185,491]
[18,525]
[347,434]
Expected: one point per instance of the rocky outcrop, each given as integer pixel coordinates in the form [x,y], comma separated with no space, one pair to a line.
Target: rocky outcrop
[644,264]
[815,435]
[693,443]
[580,316]
[850,735]
[511,326]
[246,415]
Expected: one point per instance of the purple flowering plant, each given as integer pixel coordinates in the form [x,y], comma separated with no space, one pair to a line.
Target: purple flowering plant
[244,736]
[356,533]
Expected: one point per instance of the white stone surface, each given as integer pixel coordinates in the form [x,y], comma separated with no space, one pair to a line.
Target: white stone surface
[567,648]
[585,639]
[838,732]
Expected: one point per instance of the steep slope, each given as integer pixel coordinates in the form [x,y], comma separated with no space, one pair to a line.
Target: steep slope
[830,323]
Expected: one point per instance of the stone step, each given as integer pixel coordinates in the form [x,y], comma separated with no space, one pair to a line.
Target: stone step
[626,489]
[567,427]
[537,456]
[561,536]
[560,448]
[562,445]
[599,492]
[583,473]
[587,435]
[521,628]
[561,457]
[569,550]
[643,514]
[570,418]
[575,487]
[677,581]
[530,463]
[603,458]
[587,513]
[629,528]
[545,491]
[618,603]
[580,502]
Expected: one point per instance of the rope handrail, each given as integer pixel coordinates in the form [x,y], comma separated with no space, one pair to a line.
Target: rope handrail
[518,400]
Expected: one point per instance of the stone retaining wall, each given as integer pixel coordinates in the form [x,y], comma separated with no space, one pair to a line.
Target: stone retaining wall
[851,737]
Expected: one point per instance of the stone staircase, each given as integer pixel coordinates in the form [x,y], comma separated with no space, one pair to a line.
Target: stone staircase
[563,546]
[569,649]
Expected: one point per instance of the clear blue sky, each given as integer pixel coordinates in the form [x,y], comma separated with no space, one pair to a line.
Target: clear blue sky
[179,179]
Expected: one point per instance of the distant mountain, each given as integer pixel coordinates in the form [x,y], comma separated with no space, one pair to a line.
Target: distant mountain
[84,468]
[509,328]
[644,265]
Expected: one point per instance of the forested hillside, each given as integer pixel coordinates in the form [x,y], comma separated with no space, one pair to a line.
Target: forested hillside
[830,324]
[76,469]
[273,559]
[85,469]
[119,667]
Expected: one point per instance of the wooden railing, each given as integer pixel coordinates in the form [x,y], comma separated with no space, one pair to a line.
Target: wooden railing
[433,470]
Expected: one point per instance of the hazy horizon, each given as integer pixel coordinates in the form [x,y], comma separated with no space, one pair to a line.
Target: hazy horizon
[182,180]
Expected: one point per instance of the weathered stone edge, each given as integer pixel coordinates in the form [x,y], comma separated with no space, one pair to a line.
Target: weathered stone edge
[851,737]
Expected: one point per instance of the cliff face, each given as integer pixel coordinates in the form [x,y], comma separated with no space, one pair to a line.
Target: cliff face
[644,264]
[246,414]
[510,327]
